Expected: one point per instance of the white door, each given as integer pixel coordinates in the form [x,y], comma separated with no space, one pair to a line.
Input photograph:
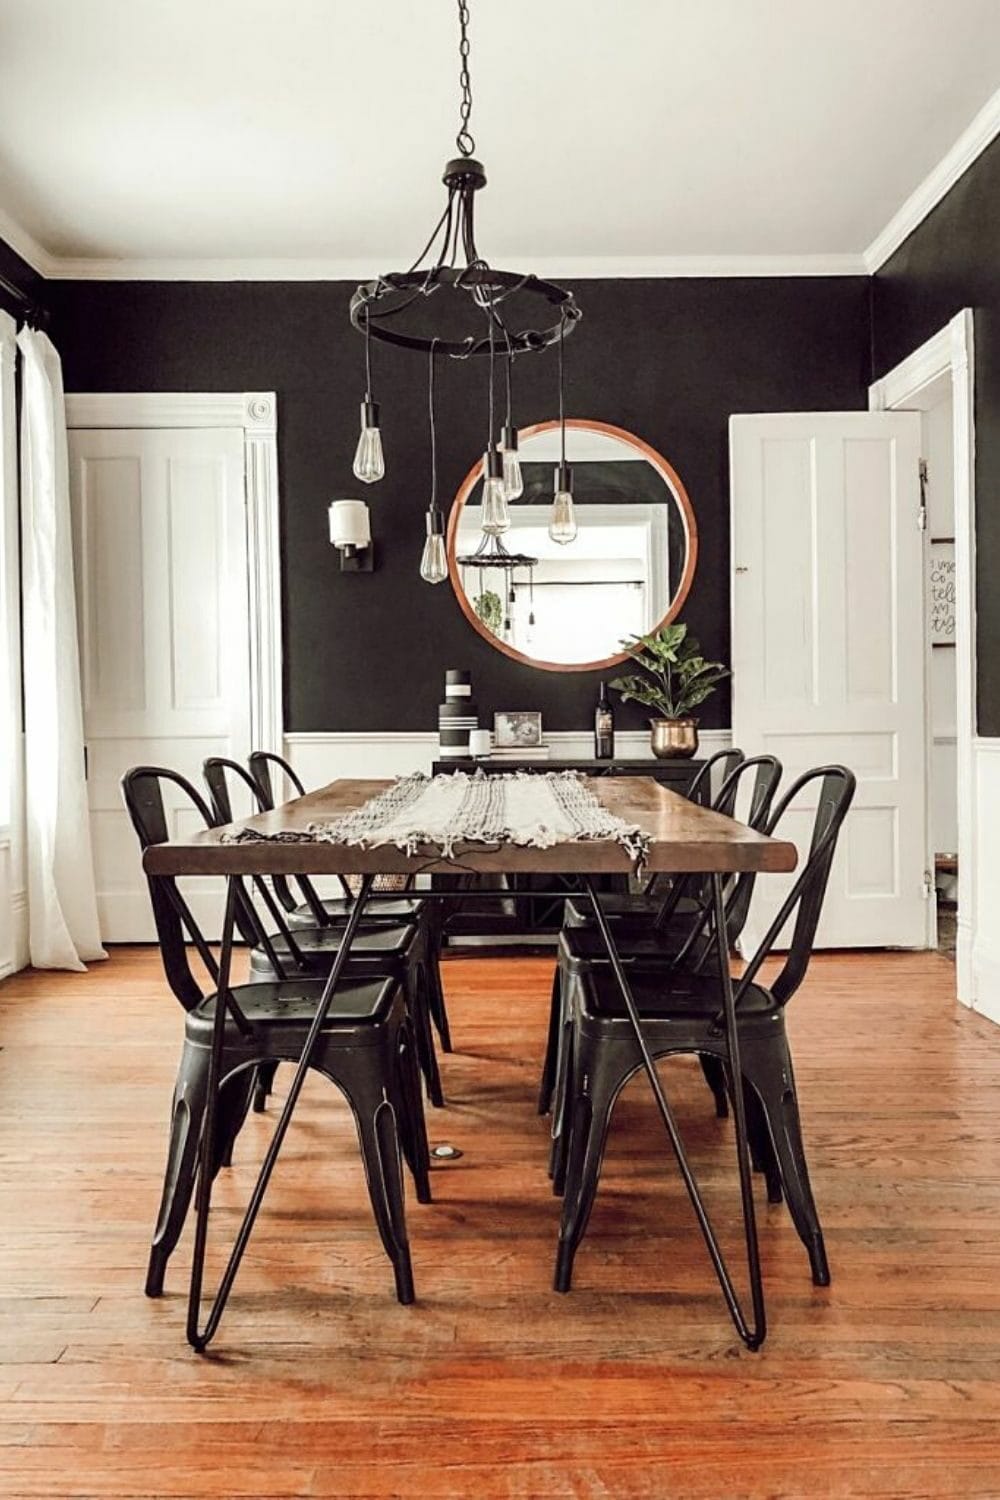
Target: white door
[828,649]
[160,551]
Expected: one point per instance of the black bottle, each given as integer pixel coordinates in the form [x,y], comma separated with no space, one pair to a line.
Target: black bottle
[604,727]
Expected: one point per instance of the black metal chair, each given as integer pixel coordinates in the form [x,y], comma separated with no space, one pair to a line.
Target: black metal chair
[366,1048]
[680,1013]
[402,952]
[669,930]
[318,910]
[706,788]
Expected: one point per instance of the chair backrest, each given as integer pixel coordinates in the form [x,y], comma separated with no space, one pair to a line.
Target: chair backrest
[260,764]
[766,772]
[717,768]
[767,775]
[804,902]
[217,771]
[142,790]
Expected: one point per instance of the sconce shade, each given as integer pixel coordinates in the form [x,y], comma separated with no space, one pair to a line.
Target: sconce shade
[350,524]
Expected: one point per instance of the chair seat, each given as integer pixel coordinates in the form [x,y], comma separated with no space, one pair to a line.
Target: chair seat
[339,908]
[681,997]
[620,906]
[356,1003]
[371,948]
[637,943]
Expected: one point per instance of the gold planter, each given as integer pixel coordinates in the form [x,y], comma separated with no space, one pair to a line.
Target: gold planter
[674,739]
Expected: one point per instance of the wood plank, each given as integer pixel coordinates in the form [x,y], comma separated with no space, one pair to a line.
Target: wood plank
[685,837]
[885,1384]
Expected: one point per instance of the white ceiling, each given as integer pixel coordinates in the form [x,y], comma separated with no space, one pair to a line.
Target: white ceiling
[315,130]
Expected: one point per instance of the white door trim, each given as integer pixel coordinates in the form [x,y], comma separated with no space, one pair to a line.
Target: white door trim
[255,413]
[950,351]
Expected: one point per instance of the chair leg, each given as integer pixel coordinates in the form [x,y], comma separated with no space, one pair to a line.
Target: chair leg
[770,1071]
[593,1090]
[561,1122]
[715,1076]
[233,1108]
[263,1085]
[548,1079]
[762,1153]
[380,1152]
[436,1001]
[412,1126]
[418,1009]
[190,1094]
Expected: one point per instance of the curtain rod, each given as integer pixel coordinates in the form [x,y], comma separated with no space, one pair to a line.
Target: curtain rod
[32,310]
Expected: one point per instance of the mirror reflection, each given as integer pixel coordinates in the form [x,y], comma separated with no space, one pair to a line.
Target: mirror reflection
[564,596]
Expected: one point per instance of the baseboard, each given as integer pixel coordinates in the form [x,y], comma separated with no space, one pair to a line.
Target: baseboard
[986,981]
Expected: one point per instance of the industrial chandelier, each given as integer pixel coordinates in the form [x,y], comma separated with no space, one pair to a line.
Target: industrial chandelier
[452,302]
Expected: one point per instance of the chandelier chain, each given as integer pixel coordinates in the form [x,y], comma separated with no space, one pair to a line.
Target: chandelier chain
[464,140]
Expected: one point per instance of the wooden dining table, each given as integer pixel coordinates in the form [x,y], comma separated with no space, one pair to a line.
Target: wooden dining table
[683,839]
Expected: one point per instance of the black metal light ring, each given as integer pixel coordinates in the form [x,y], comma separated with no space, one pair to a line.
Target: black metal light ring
[529,340]
[505,560]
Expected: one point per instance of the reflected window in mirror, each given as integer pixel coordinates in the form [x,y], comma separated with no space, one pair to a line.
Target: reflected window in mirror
[568,606]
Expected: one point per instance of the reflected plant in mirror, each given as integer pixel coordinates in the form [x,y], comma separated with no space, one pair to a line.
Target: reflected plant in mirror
[676,680]
[627,573]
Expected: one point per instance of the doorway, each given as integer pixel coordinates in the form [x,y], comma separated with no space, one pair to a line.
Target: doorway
[936,381]
[174,503]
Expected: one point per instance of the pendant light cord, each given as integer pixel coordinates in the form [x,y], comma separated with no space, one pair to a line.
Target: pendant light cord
[510,361]
[433,425]
[490,315]
[368,355]
[464,140]
[562,406]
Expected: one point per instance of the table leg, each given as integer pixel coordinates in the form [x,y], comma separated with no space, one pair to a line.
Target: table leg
[199,1339]
[753,1337]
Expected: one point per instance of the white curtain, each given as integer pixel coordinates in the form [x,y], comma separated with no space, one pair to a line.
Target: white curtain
[63,928]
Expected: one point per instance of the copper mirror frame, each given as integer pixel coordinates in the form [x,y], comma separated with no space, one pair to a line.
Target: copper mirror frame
[673,483]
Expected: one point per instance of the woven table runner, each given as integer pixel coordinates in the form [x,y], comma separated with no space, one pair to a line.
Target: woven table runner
[518,807]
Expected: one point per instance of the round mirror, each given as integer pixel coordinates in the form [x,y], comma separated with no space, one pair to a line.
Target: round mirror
[566,606]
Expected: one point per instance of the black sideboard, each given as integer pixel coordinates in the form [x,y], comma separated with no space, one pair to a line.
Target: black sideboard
[527,917]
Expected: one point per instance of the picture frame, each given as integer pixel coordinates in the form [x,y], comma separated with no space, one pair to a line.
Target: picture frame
[941,591]
[519,729]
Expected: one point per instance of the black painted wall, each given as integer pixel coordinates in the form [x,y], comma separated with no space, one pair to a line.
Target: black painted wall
[668,359]
[951,261]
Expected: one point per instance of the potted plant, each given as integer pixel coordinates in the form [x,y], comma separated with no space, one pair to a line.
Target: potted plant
[676,680]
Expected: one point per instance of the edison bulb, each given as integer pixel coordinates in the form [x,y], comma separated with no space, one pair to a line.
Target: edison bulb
[369,460]
[562,523]
[434,562]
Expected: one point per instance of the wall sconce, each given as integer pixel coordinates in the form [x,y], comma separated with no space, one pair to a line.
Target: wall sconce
[351,534]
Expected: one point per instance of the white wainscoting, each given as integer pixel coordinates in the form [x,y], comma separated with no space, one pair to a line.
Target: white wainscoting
[321,757]
[986,921]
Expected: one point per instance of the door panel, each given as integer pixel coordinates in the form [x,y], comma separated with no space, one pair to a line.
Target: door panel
[160,553]
[828,648]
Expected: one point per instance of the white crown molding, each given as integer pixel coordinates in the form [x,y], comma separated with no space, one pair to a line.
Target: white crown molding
[25,245]
[572,268]
[970,144]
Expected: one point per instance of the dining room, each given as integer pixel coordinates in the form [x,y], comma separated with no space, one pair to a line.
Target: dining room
[499,749]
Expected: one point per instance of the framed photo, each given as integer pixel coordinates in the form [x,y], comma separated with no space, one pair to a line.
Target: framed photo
[941,591]
[517,731]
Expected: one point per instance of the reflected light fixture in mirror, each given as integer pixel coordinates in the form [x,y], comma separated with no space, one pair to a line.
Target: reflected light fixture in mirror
[629,570]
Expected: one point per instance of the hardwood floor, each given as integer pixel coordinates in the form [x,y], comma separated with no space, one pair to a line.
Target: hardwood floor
[492,1385]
